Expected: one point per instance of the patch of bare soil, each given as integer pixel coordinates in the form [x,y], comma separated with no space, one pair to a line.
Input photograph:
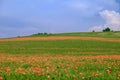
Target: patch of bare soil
[62,38]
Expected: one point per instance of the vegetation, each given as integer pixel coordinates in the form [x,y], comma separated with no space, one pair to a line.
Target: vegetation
[78,47]
[115,34]
[42,34]
[47,67]
[60,59]
[107,29]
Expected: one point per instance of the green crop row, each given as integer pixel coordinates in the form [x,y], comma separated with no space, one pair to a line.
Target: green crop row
[60,47]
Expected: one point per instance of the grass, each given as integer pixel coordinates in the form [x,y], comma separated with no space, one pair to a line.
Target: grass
[115,34]
[60,59]
[75,47]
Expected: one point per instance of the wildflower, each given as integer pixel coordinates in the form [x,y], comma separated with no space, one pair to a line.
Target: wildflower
[7,70]
[119,74]
[65,70]
[81,73]
[38,73]
[75,67]
[1,78]
[48,76]
[20,70]
[42,69]
[97,74]
[108,71]
[67,75]
[47,71]
[73,76]
[42,73]
[33,59]
[83,77]
[37,68]
[14,64]
[93,73]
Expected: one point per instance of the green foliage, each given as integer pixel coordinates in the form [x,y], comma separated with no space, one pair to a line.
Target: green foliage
[41,34]
[107,29]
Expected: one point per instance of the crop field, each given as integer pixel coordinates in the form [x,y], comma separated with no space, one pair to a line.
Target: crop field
[60,58]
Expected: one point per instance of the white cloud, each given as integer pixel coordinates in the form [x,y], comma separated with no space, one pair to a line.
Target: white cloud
[88,8]
[112,20]
[111,17]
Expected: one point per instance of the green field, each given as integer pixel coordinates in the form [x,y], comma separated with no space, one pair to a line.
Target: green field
[61,59]
[65,47]
[115,34]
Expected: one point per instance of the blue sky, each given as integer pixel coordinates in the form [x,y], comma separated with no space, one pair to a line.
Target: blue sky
[25,17]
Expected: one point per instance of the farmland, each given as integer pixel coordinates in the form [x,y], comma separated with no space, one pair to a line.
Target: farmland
[60,57]
[114,34]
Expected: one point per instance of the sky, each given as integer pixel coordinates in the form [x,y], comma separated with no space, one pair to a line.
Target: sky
[26,17]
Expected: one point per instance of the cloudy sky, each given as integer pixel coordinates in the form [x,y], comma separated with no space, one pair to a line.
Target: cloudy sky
[25,17]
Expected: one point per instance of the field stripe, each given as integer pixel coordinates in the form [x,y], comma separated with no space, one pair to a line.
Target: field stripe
[61,38]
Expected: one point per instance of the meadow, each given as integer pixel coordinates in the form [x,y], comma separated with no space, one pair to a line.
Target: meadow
[60,59]
[114,34]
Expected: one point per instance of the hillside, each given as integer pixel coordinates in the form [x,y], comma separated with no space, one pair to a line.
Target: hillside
[73,43]
[115,34]
[65,56]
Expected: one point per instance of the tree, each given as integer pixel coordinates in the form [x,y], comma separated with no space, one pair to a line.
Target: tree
[93,31]
[107,29]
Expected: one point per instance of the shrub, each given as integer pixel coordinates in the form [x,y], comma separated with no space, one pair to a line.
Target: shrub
[107,29]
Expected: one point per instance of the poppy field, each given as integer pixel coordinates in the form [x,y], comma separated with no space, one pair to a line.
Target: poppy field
[60,60]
